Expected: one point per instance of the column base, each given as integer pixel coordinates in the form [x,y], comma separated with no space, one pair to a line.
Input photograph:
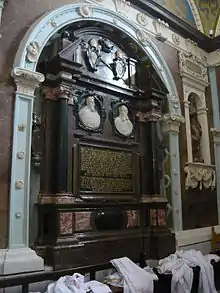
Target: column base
[20,260]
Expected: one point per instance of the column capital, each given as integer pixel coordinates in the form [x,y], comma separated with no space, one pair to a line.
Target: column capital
[26,80]
[64,92]
[216,134]
[171,123]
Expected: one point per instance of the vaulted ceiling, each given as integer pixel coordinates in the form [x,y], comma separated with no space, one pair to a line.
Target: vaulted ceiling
[203,14]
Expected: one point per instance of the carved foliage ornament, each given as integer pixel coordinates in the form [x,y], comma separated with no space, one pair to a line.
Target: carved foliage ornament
[199,175]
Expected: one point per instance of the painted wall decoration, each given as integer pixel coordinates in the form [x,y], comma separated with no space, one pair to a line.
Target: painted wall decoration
[180,8]
[209,12]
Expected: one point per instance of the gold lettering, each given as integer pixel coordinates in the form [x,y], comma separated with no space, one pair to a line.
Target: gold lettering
[105,171]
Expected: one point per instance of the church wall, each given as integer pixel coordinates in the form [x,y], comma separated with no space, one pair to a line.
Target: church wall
[196,201]
[17,18]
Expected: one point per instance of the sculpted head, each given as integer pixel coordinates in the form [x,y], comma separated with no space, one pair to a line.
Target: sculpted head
[123,112]
[90,102]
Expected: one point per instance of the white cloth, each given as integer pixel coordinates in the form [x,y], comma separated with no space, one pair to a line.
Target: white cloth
[136,280]
[195,258]
[209,257]
[182,274]
[68,284]
[75,284]
[97,287]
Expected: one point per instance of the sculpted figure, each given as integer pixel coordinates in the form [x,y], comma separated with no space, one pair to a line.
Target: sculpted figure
[88,115]
[196,132]
[122,123]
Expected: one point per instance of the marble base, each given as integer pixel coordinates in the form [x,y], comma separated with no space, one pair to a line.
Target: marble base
[20,260]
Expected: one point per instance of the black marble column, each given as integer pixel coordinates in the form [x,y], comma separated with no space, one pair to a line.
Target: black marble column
[148,116]
[63,95]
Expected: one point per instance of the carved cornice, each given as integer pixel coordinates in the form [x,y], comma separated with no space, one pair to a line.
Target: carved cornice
[171,123]
[191,67]
[200,175]
[26,81]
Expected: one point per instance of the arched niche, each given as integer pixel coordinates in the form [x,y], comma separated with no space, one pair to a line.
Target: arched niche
[27,79]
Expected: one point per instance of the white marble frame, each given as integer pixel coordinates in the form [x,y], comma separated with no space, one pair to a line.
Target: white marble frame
[27,79]
[194,87]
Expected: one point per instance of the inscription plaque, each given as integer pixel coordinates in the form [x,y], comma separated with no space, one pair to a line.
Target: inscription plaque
[104,170]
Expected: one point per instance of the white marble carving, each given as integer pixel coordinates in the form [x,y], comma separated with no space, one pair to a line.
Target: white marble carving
[122,123]
[160,29]
[193,67]
[176,39]
[200,175]
[32,51]
[142,19]
[85,11]
[142,37]
[26,81]
[88,114]
[122,6]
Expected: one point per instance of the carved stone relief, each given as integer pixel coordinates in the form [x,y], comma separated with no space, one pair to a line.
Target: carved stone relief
[122,6]
[89,111]
[121,119]
[193,67]
[200,176]
[160,29]
[142,19]
[142,37]
[32,52]
[119,65]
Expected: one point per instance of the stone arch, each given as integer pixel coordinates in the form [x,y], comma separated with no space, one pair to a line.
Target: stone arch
[41,31]
[27,79]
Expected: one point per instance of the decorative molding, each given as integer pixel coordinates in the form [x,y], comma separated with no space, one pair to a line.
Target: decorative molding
[200,175]
[192,67]
[160,28]
[142,19]
[85,11]
[26,81]
[171,123]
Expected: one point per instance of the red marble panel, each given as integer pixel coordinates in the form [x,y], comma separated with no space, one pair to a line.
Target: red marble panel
[153,217]
[133,219]
[83,221]
[161,217]
[66,223]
